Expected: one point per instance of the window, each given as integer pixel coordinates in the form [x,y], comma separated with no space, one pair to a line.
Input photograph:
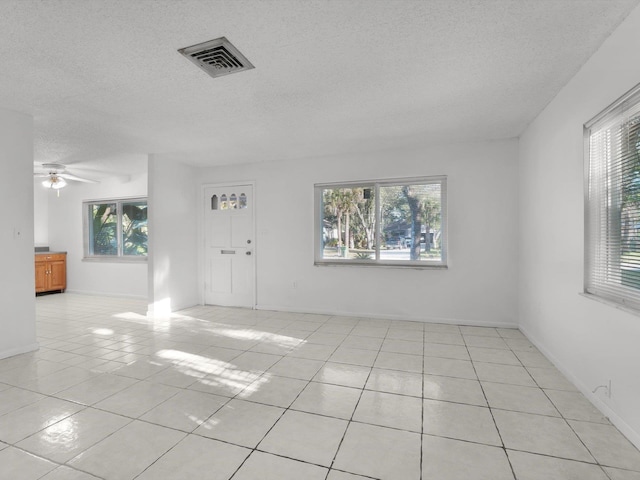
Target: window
[116,229]
[394,222]
[234,203]
[612,234]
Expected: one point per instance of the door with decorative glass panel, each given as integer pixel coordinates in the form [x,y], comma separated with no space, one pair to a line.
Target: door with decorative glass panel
[229,246]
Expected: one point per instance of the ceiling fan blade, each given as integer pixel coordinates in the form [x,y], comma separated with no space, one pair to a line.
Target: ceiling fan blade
[49,168]
[68,176]
[41,175]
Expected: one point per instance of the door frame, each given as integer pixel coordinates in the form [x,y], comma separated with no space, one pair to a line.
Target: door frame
[203,239]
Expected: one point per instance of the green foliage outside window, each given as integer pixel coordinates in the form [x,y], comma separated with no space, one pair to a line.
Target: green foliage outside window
[383,222]
[118,229]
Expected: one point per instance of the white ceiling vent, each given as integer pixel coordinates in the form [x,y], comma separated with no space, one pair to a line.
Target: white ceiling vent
[217,57]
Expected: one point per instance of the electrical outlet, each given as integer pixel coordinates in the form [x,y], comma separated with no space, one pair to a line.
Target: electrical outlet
[295,284]
[606,389]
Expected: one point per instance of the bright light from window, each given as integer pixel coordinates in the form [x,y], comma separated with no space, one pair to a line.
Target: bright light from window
[390,222]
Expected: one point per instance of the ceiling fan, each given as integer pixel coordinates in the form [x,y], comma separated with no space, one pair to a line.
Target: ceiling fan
[56,176]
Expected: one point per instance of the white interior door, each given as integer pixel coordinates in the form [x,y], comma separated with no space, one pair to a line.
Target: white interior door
[229,246]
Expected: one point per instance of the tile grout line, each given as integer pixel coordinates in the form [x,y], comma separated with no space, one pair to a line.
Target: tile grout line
[424,339]
[185,338]
[565,420]
[254,449]
[350,421]
[504,449]
[209,417]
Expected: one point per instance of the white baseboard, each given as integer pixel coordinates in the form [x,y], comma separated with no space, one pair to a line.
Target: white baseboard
[106,294]
[632,435]
[17,351]
[450,321]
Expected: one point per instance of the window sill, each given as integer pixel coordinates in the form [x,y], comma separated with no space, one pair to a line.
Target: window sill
[368,264]
[610,303]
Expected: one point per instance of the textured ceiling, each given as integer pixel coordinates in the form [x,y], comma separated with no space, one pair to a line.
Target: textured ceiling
[105,83]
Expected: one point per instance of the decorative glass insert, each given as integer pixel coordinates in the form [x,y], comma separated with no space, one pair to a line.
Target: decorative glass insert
[231,202]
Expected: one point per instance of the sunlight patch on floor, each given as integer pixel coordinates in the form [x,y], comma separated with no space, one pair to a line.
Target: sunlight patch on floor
[209,371]
[259,336]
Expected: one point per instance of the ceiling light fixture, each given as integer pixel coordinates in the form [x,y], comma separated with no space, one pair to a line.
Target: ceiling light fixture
[56,176]
[54,181]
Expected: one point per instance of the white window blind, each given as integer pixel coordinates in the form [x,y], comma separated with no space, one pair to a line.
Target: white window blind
[612,235]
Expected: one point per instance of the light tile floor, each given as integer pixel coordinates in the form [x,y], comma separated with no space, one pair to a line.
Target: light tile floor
[222,393]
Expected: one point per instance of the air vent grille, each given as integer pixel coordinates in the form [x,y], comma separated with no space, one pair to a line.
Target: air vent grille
[217,57]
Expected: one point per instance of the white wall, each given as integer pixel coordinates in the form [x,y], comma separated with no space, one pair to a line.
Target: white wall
[173,238]
[66,234]
[478,288]
[17,297]
[590,341]
[40,214]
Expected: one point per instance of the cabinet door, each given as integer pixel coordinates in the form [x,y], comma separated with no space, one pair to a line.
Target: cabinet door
[57,275]
[41,277]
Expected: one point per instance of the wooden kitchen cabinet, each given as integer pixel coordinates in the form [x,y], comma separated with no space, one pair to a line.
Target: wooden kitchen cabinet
[51,272]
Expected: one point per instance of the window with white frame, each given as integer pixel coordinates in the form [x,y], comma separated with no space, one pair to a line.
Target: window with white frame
[612,234]
[398,222]
[115,229]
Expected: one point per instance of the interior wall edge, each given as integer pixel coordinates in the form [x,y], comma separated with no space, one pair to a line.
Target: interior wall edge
[18,351]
